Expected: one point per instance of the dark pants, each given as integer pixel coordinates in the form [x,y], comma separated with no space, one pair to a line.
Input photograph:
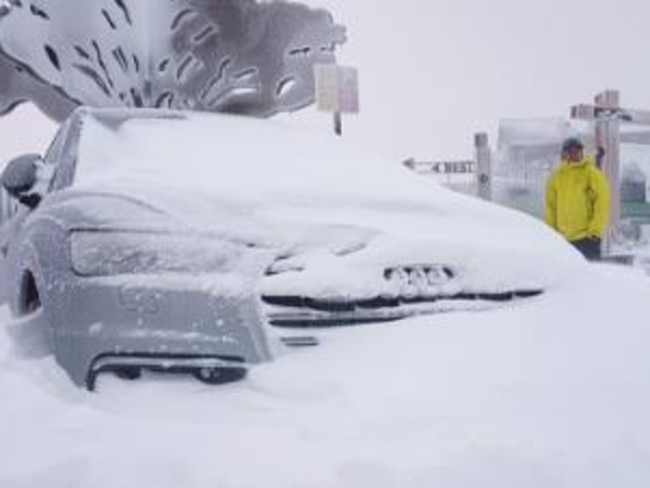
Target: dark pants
[589,247]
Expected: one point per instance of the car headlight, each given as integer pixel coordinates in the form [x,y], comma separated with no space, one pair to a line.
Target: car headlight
[107,253]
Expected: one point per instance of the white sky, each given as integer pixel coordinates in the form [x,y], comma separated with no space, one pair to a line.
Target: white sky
[432,73]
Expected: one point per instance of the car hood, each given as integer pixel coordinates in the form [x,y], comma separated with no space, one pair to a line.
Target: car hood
[339,244]
[306,195]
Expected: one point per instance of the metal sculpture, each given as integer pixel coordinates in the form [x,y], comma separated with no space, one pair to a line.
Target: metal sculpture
[238,56]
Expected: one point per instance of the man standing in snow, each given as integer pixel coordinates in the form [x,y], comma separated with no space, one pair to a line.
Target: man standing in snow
[577,200]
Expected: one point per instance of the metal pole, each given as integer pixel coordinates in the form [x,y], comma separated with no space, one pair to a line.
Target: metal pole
[608,136]
[338,123]
[483,166]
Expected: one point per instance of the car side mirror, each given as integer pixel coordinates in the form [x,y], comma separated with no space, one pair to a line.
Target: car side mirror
[20,175]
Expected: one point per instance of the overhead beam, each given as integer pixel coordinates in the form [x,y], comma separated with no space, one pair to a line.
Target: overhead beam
[600,113]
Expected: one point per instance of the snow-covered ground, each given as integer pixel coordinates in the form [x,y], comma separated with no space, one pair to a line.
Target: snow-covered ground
[549,393]
[552,392]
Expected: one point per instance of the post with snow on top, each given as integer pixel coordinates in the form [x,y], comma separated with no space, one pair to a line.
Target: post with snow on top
[483,166]
[608,136]
[337,91]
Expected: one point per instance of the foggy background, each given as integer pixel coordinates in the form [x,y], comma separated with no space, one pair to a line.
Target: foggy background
[434,72]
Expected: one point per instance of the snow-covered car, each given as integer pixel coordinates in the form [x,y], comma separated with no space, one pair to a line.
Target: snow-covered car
[208,243]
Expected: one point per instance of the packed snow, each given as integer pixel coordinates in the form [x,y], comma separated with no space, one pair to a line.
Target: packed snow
[552,392]
[320,199]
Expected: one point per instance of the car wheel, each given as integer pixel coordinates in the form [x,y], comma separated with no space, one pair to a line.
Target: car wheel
[218,376]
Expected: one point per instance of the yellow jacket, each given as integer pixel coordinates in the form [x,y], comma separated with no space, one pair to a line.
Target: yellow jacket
[577,200]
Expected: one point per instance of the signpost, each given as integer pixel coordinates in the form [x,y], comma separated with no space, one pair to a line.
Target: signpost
[607,115]
[484,166]
[481,167]
[442,167]
[337,91]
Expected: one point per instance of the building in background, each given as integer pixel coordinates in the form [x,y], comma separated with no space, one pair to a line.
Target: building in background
[527,151]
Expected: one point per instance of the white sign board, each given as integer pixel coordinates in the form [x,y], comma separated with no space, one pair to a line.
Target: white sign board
[337,88]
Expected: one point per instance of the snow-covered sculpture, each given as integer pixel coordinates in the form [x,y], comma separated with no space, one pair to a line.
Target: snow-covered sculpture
[240,56]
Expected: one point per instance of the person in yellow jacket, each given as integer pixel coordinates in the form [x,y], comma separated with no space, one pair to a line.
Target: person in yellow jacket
[577,200]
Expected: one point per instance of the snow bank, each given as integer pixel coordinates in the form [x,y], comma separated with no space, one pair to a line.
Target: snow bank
[289,188]
[553,392]
[550,392]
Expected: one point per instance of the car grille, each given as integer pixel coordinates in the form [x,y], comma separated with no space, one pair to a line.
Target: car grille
[300,311]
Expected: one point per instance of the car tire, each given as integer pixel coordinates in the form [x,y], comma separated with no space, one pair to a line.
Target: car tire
[219,376]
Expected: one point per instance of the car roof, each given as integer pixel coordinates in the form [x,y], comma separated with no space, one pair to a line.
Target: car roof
[116,116]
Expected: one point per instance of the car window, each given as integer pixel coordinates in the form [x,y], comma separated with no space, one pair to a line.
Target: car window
[63,154]
[53,152]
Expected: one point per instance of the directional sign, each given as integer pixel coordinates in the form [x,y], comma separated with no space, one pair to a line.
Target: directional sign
[442,167]
[596,113]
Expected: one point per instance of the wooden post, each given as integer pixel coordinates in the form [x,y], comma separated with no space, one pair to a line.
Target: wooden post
[483,166]
[608,136]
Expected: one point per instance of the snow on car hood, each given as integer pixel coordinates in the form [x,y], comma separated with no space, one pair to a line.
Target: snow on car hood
[284,185]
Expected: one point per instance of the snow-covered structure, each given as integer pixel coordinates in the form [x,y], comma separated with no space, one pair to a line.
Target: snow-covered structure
[240,56]
[527,151]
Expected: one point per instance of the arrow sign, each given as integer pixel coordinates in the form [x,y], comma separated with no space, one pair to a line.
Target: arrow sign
[442,167]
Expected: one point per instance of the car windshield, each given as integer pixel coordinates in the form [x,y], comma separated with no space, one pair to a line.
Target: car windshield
[270,178]
[237,158]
